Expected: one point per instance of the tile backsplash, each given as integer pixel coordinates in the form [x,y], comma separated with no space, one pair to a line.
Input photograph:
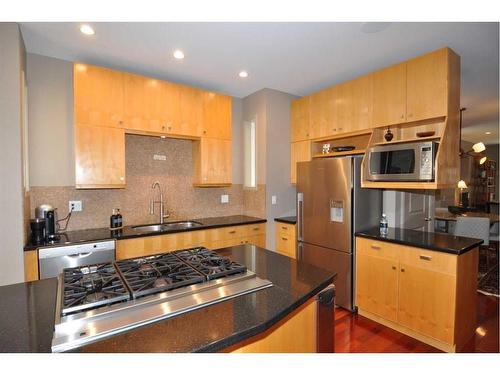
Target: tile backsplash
[173,171]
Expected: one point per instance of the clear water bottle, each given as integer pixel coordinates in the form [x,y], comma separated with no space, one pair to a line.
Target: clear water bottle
[384,225]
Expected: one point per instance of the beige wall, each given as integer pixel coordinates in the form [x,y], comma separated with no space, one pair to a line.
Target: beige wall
[11,169]
[50,114]
[271,110]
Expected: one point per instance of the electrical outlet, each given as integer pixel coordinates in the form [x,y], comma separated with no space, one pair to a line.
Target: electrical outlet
[159,157]
[273,199]
[75,206]
[224,198]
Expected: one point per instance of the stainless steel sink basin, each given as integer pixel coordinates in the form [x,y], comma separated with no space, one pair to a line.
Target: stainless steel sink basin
[167,226]
[183,224]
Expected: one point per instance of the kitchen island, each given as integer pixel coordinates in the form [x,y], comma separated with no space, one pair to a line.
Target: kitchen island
[285,314]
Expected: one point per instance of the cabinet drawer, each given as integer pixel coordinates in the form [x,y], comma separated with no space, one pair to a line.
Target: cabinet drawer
[427,259]
[285,245]
[254,229]
[285,229]
[365,246]
[225,233]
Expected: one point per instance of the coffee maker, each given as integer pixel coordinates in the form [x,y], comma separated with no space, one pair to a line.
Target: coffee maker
[49,213]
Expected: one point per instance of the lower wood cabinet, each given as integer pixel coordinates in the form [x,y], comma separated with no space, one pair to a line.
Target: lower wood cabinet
[425,294]
[211,238]
[31,265]
[286,240]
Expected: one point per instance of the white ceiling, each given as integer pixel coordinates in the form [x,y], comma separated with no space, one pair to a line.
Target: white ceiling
[298,58]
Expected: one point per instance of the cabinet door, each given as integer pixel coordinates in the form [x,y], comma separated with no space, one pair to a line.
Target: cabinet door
[285,245]
[427,86]
[321,115]
[98,96]
[191,112]
[377,286]
[360,100]
[146,106]
[99,157]
[427,302]
[216,116]
[389,99]
[212,162]
[300,151]
[300,119]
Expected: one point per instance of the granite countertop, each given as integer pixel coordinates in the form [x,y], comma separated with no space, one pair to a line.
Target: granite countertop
[27,311]
[101,234]
[441,242]
[287,219]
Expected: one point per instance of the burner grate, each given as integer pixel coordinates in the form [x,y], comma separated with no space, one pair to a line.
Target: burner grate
[209,263]
[156,274]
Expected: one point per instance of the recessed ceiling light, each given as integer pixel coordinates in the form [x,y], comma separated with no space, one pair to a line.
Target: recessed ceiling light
[178,54]
[87,30]
[487,133]
[243,74]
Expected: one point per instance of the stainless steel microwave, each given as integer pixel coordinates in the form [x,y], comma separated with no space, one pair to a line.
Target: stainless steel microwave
[413,161]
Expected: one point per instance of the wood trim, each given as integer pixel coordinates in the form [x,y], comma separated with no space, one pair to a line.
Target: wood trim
[343,135]
[158,134]
[399,185]
[31,265]
[296,333]
[398,327]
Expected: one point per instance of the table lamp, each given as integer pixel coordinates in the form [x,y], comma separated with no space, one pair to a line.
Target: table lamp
[461,185]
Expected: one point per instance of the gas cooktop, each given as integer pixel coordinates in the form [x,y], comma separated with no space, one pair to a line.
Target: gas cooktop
[101,300]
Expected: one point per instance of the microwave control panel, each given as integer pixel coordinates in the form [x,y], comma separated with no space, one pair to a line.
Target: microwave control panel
[426,163]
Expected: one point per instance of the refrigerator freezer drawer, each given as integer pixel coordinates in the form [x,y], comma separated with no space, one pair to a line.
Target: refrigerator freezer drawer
[337,261]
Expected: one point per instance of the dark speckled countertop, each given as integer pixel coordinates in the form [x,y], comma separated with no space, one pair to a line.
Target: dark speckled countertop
[287,219]
[27,311]
[441,242]
[101,234]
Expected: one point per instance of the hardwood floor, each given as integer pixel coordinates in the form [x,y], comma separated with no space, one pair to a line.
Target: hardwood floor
[357,334]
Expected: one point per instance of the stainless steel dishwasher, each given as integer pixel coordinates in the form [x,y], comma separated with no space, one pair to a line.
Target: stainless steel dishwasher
[52,260]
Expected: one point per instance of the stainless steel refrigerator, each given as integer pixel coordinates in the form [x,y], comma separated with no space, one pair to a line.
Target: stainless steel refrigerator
[331,207]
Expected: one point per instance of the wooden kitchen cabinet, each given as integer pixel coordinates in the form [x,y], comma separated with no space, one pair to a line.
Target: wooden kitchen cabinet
[191,112]
[322,122]
[98,96]
[286,239]
[377,281]
[425,294]
[212,162]
[389,99]
[352,106]
[300,119]
[427,86]
[151,105]
[299,151]
[99,157]
[31,265]
[216,121]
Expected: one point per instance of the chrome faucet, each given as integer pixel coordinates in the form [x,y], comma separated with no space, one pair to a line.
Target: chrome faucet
[152,203]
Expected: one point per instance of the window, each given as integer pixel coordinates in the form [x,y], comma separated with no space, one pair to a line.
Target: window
[249,154]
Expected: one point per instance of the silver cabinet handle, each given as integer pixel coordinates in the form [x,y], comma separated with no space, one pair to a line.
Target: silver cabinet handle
[300,216]
[425,257]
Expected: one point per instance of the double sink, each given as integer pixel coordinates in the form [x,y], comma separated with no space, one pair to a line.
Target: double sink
[175,225]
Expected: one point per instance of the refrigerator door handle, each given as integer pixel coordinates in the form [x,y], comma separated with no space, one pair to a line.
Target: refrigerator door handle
[300,249]
[300,216]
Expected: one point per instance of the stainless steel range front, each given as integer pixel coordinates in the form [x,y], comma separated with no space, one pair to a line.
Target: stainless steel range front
[98,301]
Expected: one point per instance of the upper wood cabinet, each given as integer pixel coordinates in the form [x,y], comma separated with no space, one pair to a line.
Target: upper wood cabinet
[216,116]
[99,157]
[299,151]
[300,119]
[190,112]
[150,105]
[352,106]
[389,99]
[321,114]
[427,86]
[98,96]
[212,162]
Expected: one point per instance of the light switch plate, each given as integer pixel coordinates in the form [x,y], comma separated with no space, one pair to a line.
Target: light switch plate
[75,206]
[159,157]
[273,199]
[224,198]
